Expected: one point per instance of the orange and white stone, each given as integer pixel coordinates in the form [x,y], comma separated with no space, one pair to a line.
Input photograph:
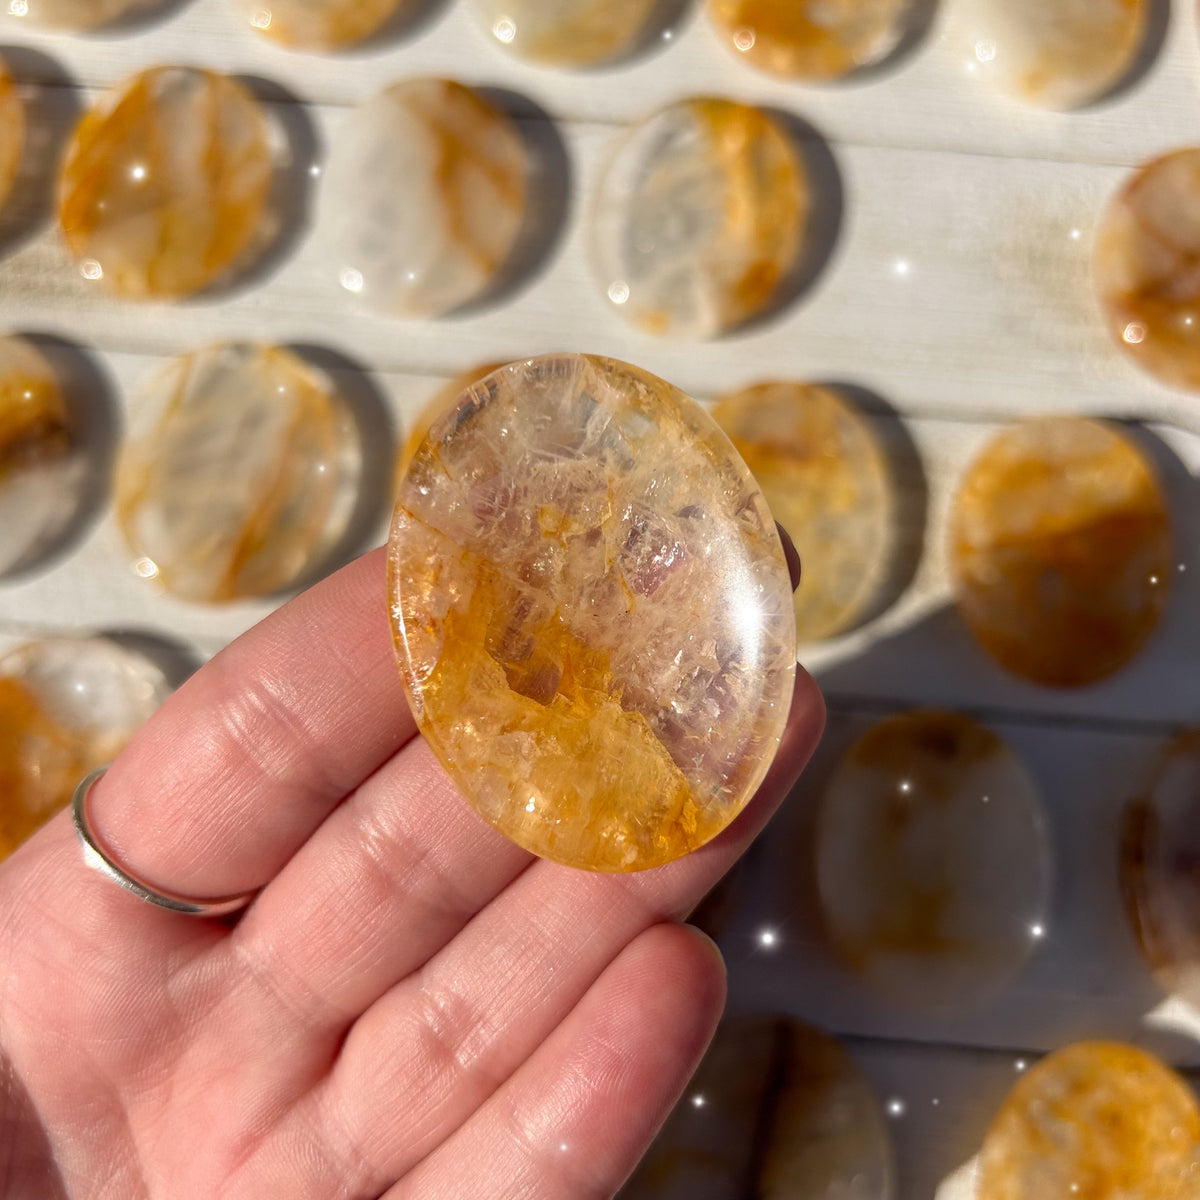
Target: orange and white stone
[425,198]
[1146,249]
[318,24]
[76,16]
[592,612]
[1097,1120]
[932,861]
[12,132]
[1058,54]
[67,705]
[1160,850]
[699,218]
[40,473]
[811,39]
[567,33]
[827,481]
[165,183]
[240,474]
[777,1110]
[1060,545]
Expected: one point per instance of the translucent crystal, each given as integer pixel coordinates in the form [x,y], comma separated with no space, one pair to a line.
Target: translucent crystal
[165,182]
[699,218]
[240,473]
[592,612]
[1060,543]
[66,705]
[566,33]
[932,862]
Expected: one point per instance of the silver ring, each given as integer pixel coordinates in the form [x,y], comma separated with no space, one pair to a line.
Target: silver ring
[95,855]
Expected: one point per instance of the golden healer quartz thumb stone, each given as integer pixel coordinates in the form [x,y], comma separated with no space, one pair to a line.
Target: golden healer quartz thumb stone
[592,612]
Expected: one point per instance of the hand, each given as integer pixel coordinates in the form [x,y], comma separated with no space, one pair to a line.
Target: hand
[413,1007]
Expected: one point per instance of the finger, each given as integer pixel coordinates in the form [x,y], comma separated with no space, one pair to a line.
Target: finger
[393,875]
[573,1121]
[485,1002]
[238,768]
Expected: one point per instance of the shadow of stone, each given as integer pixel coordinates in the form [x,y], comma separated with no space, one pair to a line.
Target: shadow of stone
[910,498]
[27,1167]
[410,20]
[94,421]
[916,31]
[375,438]
[1157,25]
[288,214]
[668,18]
[176,661]
[822,227]
[548,203]
[142,16]
[52,110]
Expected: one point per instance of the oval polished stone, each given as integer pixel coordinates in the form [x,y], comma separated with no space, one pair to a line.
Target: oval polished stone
[318,24]
[1058,54]
[1060,545]
[776,1111]
[592,612]
[165,183]
[567,33]
[827,481]
[811,39]
[1146,250]
[240,473]
[1160,850]
[12,132]
[1098,1120]
[426,198]
[932,861]
[40,473]
[77,16]
[699,218]
[67,705]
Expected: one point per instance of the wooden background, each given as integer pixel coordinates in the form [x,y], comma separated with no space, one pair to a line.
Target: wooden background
[955,293]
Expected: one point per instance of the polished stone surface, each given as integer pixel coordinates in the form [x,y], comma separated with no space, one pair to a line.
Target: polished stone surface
[811,39]
[1098,1121]
[592,612]
[40,471]
[240,473]
[1160,866]
[932,861]
[567,33]
[165,183]
[1146,250]
[441,401]
[699,218]
[76,15]
[67,705]
[1059,54]
[1060,545]
[425,198]
[777,1111]
[12,132]
[318,24]
[826,479]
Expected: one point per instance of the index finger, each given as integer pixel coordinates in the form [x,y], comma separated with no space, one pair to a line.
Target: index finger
[238,768]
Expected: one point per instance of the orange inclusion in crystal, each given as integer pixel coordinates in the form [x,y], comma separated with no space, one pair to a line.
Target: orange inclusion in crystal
[40,764]
[1060,539]
[1095,1121]
[810,39]
[165,182]
[12,132]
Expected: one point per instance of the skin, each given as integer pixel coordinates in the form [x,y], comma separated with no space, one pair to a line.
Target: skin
[412,1007]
